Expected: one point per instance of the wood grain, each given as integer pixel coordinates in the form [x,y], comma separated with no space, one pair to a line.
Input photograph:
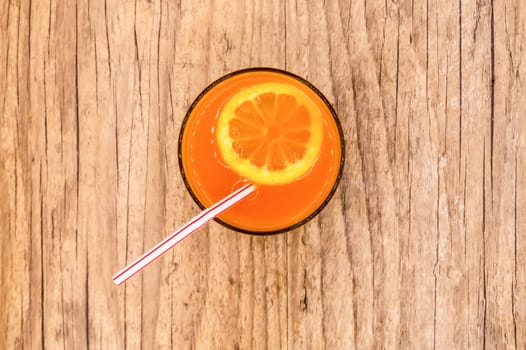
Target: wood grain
[423,246]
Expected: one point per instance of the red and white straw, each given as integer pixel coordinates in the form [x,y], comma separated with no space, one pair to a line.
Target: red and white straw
[183,232]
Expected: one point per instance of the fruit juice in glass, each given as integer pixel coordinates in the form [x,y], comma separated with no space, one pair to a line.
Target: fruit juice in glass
[210,175]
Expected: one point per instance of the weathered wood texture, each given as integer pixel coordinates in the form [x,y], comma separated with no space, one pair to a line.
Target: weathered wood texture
[423,246]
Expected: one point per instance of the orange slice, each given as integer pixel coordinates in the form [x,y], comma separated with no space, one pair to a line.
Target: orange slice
[270,133]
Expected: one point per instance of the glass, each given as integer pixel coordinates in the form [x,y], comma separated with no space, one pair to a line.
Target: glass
[272,209]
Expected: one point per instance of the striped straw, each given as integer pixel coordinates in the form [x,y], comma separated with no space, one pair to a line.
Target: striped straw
[183,232]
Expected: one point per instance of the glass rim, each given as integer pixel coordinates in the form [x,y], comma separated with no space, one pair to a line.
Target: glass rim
[335,119]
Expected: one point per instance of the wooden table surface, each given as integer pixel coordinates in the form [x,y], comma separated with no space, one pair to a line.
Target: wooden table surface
[423,245]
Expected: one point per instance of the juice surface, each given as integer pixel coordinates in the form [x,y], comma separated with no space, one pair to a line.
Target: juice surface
[271,208]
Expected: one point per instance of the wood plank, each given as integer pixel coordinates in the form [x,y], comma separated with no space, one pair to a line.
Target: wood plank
[506,291]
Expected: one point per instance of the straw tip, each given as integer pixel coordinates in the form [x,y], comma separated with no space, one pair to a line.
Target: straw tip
[116,281]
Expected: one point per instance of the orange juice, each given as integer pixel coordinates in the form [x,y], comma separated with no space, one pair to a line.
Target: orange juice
[273,208]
